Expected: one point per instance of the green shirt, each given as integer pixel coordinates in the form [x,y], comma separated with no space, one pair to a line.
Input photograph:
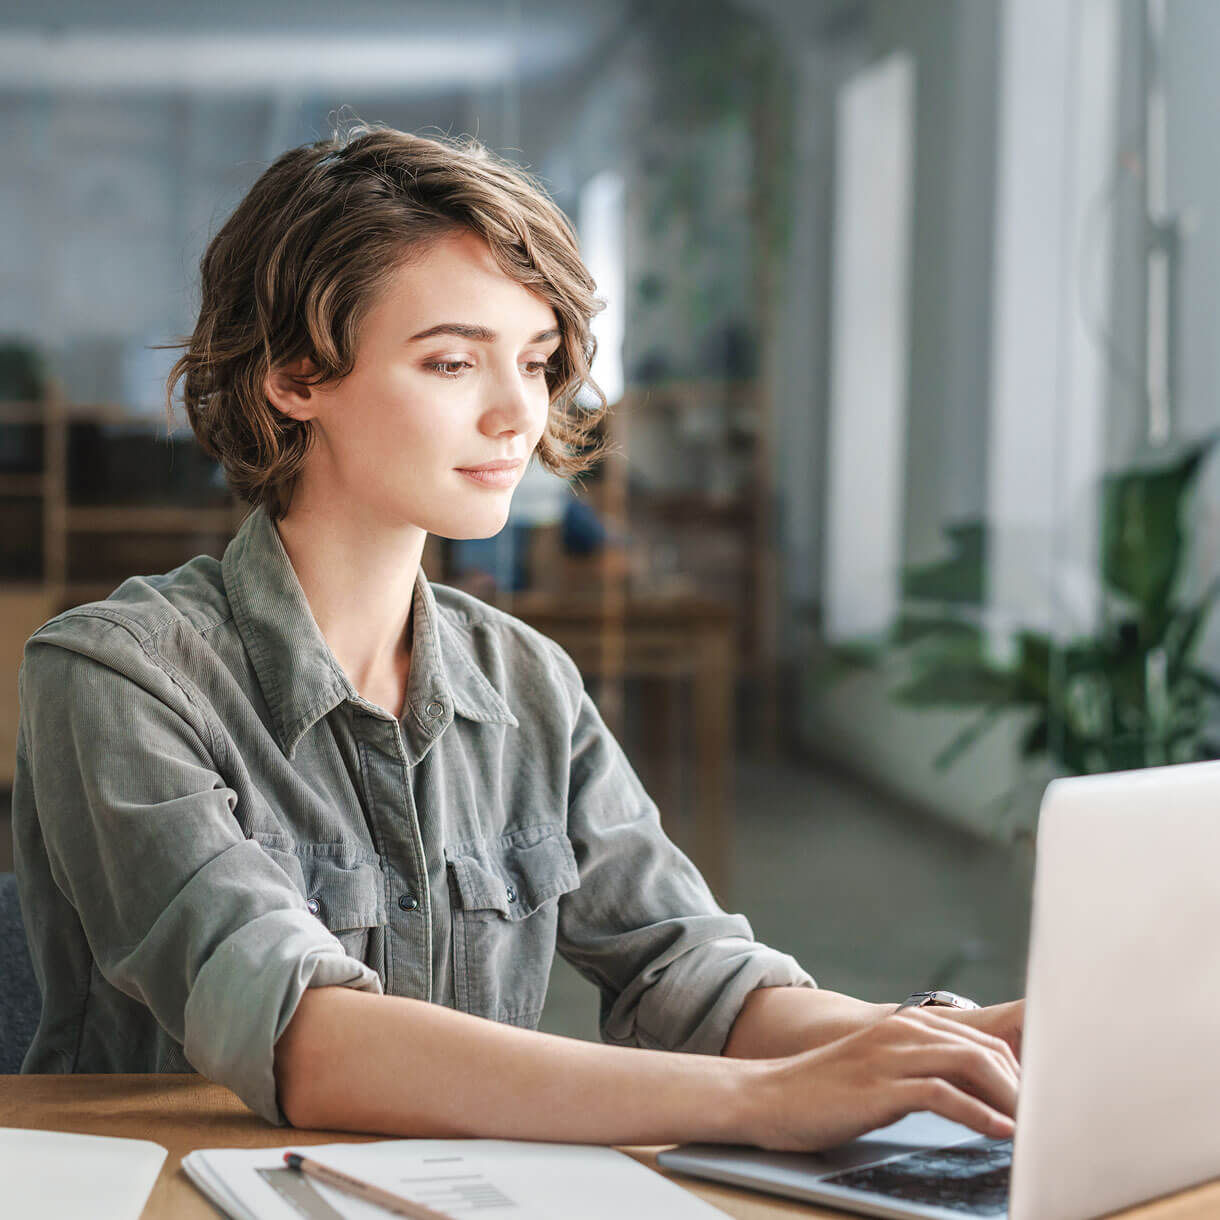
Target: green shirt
[209,819]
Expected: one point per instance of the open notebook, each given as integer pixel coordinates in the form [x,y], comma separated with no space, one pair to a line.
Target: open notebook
[52,1174]
[456,1177]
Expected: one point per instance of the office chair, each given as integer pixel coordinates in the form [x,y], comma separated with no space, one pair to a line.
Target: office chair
[20,999]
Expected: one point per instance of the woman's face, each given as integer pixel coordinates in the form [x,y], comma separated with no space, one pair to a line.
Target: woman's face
[447,400]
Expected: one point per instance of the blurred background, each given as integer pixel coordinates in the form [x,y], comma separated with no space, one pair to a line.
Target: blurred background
[911,503]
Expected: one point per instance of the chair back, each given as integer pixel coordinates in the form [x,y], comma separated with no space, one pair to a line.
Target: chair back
[20,999]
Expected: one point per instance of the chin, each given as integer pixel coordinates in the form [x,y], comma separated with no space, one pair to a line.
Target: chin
[468,529]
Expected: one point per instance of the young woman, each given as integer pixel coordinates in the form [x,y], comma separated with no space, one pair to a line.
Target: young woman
[315,828]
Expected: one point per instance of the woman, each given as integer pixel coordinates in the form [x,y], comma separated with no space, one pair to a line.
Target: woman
[310,826]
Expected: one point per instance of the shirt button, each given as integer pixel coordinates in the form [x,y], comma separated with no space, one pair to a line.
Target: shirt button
[435,709]
[512,894]
[314,906]
[408,902]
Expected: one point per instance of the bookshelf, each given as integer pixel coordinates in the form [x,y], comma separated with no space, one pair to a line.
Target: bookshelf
[720,532]
[55,548]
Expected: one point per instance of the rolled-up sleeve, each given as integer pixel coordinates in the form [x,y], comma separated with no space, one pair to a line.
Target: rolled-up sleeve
[673,968]
[181,911]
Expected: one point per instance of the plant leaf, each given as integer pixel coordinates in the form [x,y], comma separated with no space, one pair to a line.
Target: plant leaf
[1036,738]
[956,684]
[1206,680]
[969,736]
[958,579]
[1142,527]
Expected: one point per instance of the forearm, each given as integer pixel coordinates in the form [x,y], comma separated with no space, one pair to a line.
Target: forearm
[353,1061]
[779,1021]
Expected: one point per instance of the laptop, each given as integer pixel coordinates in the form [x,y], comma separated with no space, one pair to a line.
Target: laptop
[1120,1080]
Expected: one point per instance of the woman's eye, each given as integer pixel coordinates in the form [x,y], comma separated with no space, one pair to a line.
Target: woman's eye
[449,368]
[453,368]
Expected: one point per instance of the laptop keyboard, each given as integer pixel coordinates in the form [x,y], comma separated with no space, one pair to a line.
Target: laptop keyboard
[969,1178]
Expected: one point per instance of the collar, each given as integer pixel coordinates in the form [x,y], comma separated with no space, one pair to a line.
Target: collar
[300,679]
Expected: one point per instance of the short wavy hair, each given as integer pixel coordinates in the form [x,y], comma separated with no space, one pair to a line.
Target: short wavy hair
[295,269]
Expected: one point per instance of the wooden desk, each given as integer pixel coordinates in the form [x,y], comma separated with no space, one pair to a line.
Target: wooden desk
[183,1113]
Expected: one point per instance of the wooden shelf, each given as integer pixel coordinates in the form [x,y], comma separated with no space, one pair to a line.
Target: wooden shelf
[80,591]
[62,520]
[149,519]
[15,412]
[22,412]
[12,484]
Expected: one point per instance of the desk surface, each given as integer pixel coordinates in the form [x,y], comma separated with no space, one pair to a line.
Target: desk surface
[185,1112]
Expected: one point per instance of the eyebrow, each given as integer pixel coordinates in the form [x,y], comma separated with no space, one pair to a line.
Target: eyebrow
[480,334]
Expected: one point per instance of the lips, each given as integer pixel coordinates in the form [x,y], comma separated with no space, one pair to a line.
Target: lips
[503,464]
[493,474]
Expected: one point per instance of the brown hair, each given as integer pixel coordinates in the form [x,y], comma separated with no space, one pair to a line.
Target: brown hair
[295,269]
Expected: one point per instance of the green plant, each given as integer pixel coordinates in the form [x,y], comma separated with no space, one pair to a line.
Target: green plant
[1130,695]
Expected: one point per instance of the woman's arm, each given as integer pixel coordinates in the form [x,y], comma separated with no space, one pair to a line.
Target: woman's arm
[125,827]
[778,1021]
[406,1067]
[672,966]
[357,1062]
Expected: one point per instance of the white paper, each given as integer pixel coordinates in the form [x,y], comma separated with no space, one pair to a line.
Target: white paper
[505,1179]
[57,1175]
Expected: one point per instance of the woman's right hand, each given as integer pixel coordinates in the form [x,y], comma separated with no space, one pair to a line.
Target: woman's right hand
[912,1060]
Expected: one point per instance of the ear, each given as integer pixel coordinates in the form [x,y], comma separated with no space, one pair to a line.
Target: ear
[287,391]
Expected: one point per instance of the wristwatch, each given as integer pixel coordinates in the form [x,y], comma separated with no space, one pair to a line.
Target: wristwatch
[931,999]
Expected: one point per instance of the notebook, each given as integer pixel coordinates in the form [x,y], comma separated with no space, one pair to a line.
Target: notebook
[510,1179]
[49,1175]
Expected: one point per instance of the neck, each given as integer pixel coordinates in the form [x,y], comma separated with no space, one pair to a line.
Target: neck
[358,575]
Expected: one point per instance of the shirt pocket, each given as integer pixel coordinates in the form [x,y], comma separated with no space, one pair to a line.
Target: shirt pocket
[341,886]
[504,895]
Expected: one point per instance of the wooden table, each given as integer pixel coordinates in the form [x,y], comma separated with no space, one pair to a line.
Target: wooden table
[183,1113]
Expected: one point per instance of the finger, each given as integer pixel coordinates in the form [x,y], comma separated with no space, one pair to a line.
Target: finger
[951,1025]
[978,1060]
[945,1099]
[1003,1020]
[931,1027]
[972,1068]
[1011,1024]
[963,1027]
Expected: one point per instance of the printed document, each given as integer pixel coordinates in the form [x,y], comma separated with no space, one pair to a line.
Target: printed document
[467,1179]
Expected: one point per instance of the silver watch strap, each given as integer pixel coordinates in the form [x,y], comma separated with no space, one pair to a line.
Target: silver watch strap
[936,999]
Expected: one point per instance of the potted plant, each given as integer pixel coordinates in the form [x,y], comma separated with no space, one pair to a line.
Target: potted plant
[1131,694]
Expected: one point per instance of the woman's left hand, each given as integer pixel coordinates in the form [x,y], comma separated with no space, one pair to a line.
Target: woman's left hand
[1005,1021]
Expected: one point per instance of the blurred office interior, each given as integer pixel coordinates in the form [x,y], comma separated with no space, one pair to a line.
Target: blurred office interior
[910,503]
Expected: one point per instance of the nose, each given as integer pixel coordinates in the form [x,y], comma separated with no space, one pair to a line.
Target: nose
[514,405]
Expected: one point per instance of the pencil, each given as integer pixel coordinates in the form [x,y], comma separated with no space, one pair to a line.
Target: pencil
[363,1190]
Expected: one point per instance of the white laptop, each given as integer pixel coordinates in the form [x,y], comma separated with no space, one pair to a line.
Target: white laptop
[1120,1081]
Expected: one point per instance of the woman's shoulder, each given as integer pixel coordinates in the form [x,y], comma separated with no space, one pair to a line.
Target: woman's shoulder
[142,611]
[132,658]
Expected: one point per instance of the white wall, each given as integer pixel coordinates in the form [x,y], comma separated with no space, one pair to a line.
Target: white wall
[869,349]
[1048,402]
[954,46]
[103,218]
[1192,40]
[1008,393]
[109,200]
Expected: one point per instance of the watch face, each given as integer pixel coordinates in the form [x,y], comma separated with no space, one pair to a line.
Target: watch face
[949,999]
[937,999]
